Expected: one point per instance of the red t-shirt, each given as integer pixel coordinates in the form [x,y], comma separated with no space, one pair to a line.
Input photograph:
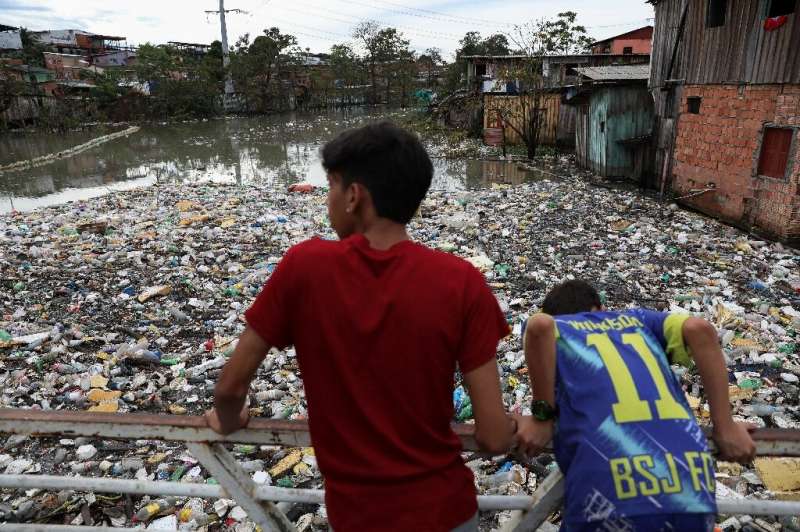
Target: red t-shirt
[378,335]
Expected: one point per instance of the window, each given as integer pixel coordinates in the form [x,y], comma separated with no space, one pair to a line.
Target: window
[628,50]
[693,104]
[715,15]
[480,70]
[775,152]
[776,8]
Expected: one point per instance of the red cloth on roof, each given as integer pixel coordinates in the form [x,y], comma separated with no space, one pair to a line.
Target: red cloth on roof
[774,23]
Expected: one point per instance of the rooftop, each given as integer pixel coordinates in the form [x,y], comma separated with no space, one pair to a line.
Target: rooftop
[616,72]
[621,35]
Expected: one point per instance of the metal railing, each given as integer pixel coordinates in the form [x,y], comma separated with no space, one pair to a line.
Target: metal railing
[260,501]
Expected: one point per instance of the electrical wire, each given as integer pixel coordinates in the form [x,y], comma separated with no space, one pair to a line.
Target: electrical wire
[355,20]
[466,20]
[317,30]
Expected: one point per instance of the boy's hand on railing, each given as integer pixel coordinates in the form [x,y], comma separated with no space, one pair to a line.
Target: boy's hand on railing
[533,436]
[734,443]
[227,426]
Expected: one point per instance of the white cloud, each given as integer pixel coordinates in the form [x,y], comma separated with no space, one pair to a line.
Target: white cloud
[317,23]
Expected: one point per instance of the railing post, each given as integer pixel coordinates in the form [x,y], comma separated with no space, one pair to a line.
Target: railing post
[238,484]
[546,499]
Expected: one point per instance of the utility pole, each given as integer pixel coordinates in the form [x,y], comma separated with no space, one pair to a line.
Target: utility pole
[226,60]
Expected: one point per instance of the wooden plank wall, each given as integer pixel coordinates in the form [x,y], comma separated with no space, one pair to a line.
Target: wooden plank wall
[551,103]
[740,51]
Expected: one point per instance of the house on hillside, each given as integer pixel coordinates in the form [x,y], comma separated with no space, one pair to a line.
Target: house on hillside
[10,38]
[638,41]
[88,45]
[614,122]
[65,66]
[725,79]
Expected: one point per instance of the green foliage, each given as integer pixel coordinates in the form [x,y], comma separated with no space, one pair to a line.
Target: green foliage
[181,85]
[258,67]
[32,49]
[386,54]
[535,40]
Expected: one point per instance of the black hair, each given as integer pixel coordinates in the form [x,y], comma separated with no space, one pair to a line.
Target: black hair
[571,297]
[389,161]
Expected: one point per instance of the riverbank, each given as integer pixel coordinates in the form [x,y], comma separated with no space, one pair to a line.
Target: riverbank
[131,302]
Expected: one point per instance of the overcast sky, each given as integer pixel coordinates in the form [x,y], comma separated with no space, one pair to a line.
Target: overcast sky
[316,23]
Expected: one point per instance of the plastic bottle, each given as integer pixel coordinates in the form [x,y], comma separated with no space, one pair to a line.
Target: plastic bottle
[763,409]
[155,508]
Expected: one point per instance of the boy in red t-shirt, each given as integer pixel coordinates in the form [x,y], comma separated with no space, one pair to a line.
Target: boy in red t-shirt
[380,325]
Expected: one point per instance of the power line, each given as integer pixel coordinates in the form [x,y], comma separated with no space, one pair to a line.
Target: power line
[355,20]
[467,20]
[318,30]
[445,18]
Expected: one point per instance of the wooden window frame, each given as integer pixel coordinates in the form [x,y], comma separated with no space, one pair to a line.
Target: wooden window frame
[768,9]
[627,50]
[690,104]
[716,22]
[790,158]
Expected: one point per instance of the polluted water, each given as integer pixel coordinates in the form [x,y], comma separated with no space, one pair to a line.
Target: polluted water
[132,302]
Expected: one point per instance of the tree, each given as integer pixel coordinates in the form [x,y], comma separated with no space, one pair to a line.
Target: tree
[405,70]
[32,49]
[366,33]
[181,84]
[346,67]
[535,40]
[383,47]
[431,59]
[473,44]
[255,66]
[496,44]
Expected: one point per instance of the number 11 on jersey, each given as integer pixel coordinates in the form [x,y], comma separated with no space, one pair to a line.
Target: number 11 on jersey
[629,406]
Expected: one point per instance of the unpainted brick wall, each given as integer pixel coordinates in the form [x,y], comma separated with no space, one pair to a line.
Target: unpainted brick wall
[720,148]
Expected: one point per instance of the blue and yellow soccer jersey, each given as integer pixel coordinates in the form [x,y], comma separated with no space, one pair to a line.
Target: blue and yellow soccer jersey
[626,439]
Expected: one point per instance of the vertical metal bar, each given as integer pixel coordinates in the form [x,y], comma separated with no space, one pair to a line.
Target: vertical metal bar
[237,483]
[546,499]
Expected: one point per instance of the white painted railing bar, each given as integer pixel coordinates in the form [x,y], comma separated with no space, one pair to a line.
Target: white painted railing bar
[259,501]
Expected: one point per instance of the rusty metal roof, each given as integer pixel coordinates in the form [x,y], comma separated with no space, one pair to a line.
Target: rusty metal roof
[616,72]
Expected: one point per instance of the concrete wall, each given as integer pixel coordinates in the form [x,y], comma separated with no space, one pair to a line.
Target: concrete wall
[720,148]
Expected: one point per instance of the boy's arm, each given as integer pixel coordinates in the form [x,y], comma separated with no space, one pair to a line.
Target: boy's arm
[230,413]
[540,354]
[733,439]
[494,429]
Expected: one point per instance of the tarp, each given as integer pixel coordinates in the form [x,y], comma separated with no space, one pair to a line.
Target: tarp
[10,40]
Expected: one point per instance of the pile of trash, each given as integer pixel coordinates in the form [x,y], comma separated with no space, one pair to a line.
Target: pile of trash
[132,303]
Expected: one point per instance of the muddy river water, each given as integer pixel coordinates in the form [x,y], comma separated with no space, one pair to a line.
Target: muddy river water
[247,151]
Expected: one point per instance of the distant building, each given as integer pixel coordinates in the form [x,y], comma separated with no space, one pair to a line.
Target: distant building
[638,41]
[485,73]
[190,48]
[115,58]
[83,43]
[65,66]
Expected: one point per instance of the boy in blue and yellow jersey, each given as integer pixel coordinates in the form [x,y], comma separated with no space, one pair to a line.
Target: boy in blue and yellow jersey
[625,438]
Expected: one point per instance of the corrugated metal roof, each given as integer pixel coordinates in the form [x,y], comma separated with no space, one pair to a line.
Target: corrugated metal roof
[615,72]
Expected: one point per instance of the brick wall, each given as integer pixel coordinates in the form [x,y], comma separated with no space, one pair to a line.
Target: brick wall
[720,148]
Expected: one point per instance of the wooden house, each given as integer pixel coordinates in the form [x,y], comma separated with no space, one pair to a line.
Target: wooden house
[614,121]
[725,79]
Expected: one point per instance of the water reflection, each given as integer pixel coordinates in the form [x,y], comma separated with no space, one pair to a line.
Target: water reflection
[237,150]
